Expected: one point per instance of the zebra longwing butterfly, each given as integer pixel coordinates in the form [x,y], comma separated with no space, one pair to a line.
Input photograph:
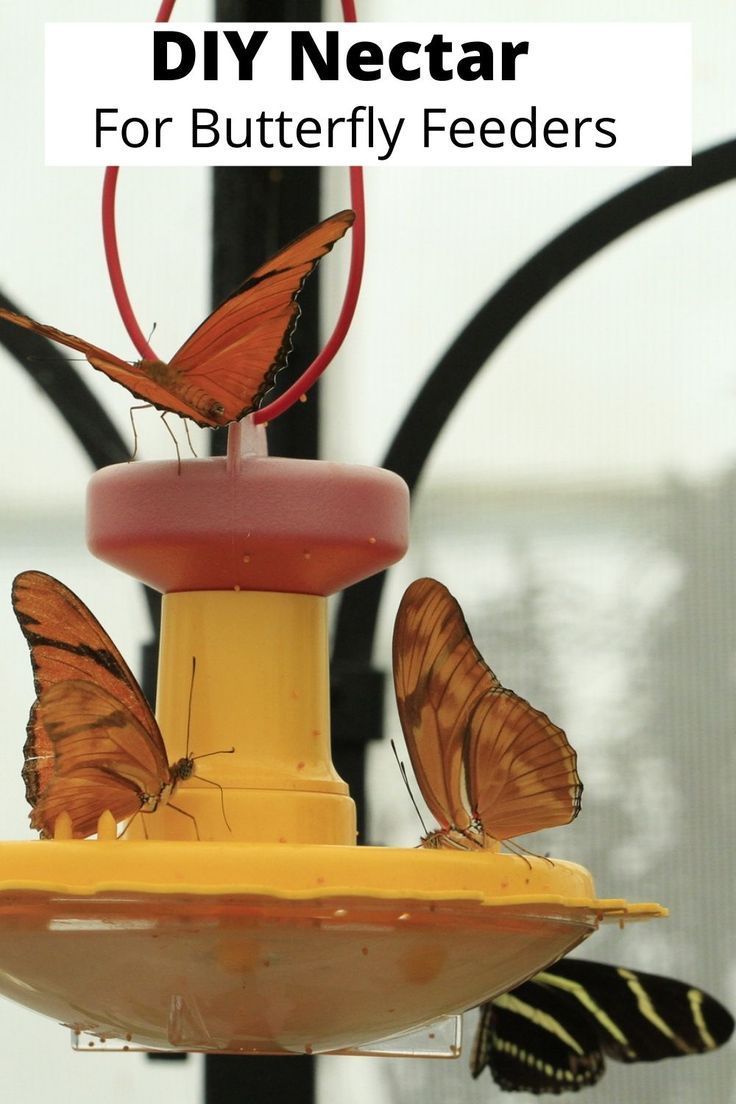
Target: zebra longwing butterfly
[552,1034]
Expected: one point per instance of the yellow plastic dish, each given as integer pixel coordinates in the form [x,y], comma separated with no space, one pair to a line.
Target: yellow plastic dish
[252,948]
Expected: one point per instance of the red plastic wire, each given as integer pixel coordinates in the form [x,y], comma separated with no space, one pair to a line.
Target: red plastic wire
[316,368]
[114,268]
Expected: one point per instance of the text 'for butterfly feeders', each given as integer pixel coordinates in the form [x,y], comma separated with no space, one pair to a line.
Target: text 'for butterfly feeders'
[240,916]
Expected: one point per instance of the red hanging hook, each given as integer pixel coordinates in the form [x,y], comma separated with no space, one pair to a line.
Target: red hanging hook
[352,290]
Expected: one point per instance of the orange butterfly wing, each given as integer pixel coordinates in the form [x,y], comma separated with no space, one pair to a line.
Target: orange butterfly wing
[480,752]
[236,352]
[103,758]
[520,769]
[439,676]
[68,644]
[131,376]
[224,370]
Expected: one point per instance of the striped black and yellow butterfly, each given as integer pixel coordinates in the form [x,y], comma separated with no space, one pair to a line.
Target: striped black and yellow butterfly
[552,1034]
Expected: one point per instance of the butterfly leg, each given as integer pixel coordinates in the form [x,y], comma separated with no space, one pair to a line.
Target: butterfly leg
[143,406]
[211,782]
[522,852]
[170,432]
[533,854]
[186,814]
[189,439]
[130,821]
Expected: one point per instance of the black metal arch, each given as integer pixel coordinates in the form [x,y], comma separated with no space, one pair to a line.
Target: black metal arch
[472,348]
[61,383]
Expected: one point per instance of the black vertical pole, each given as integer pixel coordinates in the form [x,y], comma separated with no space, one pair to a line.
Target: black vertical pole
[255,211]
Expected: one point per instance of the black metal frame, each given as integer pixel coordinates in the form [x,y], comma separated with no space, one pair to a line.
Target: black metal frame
[255,211]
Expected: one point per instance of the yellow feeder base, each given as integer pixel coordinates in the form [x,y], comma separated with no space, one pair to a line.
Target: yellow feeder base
[252,924]
[269,949]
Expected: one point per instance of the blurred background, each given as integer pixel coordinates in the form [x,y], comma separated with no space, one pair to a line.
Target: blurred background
[580,503]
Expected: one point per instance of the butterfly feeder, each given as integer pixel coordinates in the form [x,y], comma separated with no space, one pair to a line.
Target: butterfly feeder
[242,917]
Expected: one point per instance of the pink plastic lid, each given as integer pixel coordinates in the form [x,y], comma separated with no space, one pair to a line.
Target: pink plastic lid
[248,522]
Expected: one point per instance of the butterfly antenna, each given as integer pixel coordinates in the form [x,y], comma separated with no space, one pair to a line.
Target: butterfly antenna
[189,708]
[402,772]
[183,812]
[52,360]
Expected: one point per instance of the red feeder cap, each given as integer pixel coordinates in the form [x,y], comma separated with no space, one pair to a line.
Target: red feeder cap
[248,523]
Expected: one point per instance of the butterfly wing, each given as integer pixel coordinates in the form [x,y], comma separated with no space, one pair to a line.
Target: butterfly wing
[84,798]
[550,1034]
[68,643]
[131,376]
[520,769]
[439,676]
[537,1039]
[101,758]
[79,344]
[235,354]
[223,371]
[643,1017]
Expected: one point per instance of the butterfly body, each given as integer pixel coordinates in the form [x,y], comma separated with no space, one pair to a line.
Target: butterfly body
[490,766]
[227,366]
[456,839]
[93,742]
[150,802]
[180,771]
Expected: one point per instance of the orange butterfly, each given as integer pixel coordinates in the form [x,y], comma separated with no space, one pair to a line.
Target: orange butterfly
[490,766]
[227,366]
[93,742]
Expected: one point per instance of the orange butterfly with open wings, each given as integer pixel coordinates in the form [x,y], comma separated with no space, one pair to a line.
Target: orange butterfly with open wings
[490,766]
[225,369]
[93,742]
